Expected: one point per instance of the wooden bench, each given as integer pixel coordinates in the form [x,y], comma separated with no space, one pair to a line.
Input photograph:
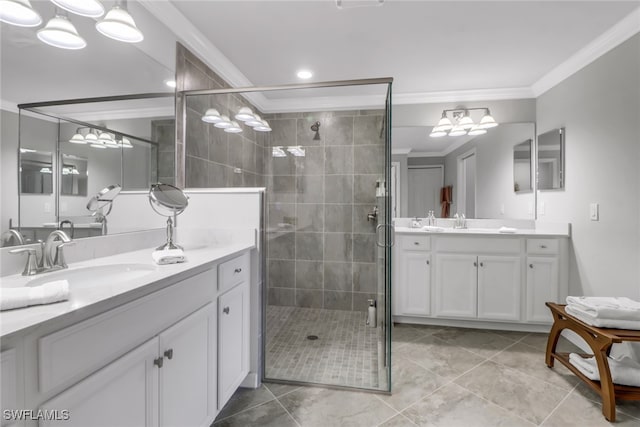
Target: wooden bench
[600,341]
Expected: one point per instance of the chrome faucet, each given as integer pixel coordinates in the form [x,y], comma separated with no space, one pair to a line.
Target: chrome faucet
[14,235]
[41,261]
[71,227]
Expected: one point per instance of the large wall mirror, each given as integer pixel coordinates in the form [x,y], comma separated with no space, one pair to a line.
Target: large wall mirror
[37,73]
[487,176]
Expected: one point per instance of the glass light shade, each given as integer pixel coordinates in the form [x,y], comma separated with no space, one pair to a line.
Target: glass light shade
[297,151]
[458,131]
[256,121]
[234,128]
[487,122]
[90,8]
[91,137]
[126,143]
[278,152]
[211,116]
[66,171]
[437,133]
[105,137]
[119,25]
[77,139]
[223,123]
[466,122]
[60,32]
[45,170]
[477,130]
[20,13]
[264,127]
[244,114]
[444,124]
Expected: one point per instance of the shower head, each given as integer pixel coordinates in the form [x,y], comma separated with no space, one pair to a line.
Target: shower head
[316,128]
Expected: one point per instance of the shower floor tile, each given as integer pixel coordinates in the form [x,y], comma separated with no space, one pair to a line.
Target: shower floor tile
[345,353]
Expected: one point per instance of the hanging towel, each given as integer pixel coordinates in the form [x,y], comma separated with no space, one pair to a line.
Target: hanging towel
[445,200]
[25,296]
[599,322]
[624,371]
[607,307]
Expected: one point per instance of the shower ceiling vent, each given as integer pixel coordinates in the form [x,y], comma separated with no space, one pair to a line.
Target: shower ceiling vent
[351,4]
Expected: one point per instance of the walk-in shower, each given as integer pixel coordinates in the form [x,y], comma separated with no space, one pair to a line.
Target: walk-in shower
[324,160]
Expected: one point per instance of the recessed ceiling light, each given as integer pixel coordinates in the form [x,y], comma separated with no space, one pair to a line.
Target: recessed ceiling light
[170,83]
[305,74]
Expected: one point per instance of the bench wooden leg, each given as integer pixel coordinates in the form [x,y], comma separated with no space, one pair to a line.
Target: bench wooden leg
[552,341]
[607,393]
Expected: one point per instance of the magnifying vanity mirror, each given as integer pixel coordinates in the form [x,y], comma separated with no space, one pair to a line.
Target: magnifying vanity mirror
[101,204]
[168,201]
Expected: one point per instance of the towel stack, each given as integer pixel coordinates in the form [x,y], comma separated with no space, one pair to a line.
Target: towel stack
[25,296]
[605,312]
[168,256]
[624,371]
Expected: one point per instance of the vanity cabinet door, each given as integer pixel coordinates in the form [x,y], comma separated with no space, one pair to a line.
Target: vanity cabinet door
[542,286]
[124,393]
[456,286]
[187,378]
[499,286]
[9,384]
[414,290]
[233,341]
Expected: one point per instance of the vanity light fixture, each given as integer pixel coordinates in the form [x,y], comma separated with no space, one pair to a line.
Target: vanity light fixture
[119,25]
[90,8]
[297,151]
[91,137]
[233,128]
[245,114]
[461,123]
[224,123]
[77,138]
[19,13]
[125,143]
[278,152]
[255,121]
[60,32]
[264,127]
[212,116]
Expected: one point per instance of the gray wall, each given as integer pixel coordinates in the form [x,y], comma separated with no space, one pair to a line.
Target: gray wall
[600,108]
[321,248]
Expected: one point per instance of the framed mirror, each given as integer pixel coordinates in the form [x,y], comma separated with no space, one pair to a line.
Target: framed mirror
[522,167]
[36,171]
[550,154]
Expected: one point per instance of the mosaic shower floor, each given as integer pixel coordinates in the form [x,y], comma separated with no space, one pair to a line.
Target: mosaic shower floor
[345,352]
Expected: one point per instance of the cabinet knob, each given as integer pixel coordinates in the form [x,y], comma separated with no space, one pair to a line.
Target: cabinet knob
[225,310]
[427,262]
[237,270]
[530,265]
[169,354]
[543,246]
[416,243]
[482,264]
[158,362]
[475,264]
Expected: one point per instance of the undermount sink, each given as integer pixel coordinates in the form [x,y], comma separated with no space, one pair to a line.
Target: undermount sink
[95,276]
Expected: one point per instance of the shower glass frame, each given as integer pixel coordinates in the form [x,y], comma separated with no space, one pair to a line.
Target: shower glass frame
[386,229]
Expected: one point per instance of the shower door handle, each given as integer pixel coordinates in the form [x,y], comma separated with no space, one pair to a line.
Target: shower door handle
[392,234]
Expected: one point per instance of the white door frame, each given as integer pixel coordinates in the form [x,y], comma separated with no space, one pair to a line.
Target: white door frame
[461,179]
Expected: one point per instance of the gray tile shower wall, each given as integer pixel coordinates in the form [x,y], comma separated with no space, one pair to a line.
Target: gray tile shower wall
[163,132]
[212,157]
[318,231]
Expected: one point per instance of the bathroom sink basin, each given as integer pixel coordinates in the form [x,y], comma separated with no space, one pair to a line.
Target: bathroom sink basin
[95,276]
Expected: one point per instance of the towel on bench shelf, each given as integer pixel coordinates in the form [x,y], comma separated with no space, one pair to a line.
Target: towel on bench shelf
[600,322]
[607,307]
[624,371]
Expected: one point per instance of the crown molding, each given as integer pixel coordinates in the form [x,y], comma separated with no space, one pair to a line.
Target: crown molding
[400,151]
[324,103]
[123,114]
[619,33]
[208,53]
[12,107]
[469,95]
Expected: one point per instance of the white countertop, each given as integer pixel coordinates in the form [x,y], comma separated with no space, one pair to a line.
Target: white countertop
[94,300]
[483,231]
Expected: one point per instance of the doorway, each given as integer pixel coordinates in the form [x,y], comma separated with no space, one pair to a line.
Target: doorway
[424,184]
[466,199]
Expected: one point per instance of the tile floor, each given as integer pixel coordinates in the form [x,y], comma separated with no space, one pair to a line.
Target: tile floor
[442,377]
[345,353]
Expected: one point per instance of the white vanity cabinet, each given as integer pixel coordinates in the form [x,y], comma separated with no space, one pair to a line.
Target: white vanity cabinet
[233,328]
[467,280]
[9,387]
[412,280]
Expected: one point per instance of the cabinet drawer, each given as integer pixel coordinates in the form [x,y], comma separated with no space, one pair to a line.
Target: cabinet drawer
[73,353]
[416,243]
[479,245]
[542,246]
[232,272]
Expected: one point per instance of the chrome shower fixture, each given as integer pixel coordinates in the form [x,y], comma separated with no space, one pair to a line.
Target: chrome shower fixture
[316,128]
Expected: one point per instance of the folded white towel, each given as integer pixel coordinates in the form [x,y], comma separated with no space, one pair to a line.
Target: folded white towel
[624,371]
[507,230]
[25,296]
[599,322]
[168,256]
[433,229]
[607,307]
